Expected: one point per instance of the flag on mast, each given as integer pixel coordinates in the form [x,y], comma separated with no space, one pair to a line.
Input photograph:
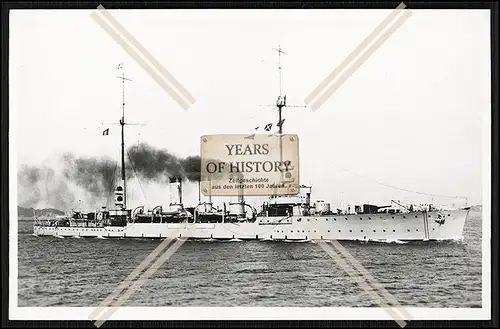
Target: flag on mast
[267,127]
[105,132]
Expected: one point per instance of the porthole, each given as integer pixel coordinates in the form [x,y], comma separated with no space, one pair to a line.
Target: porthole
[369,218]
[433,228]
[327,219]
[350,231]
[416,216]
[392,217]
[448,215]
[383,230]
[408,230]
[314,231]
[360,218]
[340,231]
[404,216]
[346,218]
[374,231]
[328,231]
[336,218]
[361,231]
[394,230]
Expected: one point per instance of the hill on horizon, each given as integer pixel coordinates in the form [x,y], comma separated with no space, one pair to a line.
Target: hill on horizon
[28,212]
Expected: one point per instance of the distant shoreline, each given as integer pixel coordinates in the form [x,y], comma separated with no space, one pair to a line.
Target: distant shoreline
[25,219]
[23,212]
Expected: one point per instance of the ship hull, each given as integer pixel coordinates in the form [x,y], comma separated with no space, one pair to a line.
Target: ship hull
[379,227]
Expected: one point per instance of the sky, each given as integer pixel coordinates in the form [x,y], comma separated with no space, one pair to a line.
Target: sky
[412,116]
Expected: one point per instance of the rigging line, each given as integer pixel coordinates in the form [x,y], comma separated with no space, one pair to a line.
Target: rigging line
[402,189]
[137,176]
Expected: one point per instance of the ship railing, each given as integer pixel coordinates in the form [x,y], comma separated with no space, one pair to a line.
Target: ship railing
[46,221]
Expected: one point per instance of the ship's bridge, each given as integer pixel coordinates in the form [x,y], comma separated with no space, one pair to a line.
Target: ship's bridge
[303,197]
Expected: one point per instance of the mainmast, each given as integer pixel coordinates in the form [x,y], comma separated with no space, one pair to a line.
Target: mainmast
[281,102]
[279,64]
[122,124]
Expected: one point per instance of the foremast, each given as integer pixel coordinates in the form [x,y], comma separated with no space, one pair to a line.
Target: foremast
[123,202]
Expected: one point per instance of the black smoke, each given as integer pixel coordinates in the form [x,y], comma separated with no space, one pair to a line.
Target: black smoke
[41,184]
[60,185]
[28,177]
[94,175]
[158,165]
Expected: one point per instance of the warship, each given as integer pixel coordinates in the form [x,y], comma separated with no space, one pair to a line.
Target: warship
[292,217]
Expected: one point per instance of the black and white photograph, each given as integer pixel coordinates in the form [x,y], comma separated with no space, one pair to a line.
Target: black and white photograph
[227,164]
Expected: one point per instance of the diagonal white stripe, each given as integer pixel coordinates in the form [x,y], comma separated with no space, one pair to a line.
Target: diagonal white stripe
[157,72]
[360,61]
[369,277]
[128,280]
[363,284]
[141,281]
[146,54]
[354,53]
[335,73]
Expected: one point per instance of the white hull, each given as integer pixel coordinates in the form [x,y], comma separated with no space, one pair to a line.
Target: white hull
[402,226]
